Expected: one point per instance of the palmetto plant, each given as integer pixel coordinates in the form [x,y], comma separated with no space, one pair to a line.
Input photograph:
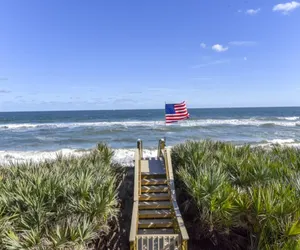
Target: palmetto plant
[250,192]
[213,196]
[67,203]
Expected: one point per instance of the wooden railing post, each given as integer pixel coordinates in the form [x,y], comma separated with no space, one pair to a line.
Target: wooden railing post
[162,143]
[140,147]
[132,245]
[161,146]
[184,245]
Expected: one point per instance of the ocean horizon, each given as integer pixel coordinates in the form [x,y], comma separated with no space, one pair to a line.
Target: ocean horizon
[190,108]
[37,135]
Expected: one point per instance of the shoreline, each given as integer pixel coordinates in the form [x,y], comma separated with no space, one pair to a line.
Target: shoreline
[122,156]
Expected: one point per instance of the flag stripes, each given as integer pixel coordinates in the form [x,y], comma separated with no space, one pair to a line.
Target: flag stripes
[176,112]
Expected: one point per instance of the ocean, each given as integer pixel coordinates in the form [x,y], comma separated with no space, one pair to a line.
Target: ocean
[42,135]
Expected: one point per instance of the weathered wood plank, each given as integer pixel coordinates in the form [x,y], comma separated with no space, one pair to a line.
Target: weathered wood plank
[153,166]
[154,197]
[159,213]
[155,189]
[154,181]
[154,204]
[136,175]
[179,219]
[134,222]
[155,223]
[150,231]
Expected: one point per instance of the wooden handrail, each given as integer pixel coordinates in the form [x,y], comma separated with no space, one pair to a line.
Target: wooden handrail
[170,175]
[156,235]
[134,218]
[136,175]
[134,222]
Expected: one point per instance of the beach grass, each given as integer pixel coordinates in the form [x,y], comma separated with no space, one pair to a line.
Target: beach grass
[67,203]
[231,198]
[239,197]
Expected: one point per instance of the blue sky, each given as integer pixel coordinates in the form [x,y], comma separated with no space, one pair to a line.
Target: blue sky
[74,55]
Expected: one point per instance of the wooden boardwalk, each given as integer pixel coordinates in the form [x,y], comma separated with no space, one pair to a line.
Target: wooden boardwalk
[156,220]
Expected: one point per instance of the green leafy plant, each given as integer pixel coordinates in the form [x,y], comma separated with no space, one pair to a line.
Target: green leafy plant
[241,197]
[67,203]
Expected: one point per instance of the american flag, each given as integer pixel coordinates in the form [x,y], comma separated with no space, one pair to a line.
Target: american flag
[176,112]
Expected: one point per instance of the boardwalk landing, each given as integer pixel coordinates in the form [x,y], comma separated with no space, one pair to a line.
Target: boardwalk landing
[156,220]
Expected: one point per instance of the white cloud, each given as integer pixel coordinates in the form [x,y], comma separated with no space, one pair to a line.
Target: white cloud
[285,8]
[245,58]
[240,11]
[219,48]
[242,43]
[252,12]
[203,45]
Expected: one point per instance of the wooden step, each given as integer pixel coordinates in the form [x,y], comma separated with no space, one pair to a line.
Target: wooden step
[156,231]
[155,223]
[148,175]
[152,181]
[154,205]
[155,189]
[154,197]
[160,213]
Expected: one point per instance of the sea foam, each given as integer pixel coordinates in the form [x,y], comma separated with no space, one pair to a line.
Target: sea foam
[281,141]
[289,118]
[122,156]
[287,122]
[125,157]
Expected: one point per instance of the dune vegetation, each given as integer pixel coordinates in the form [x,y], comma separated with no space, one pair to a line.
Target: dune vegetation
[68,203]
[231,198]
[239,197]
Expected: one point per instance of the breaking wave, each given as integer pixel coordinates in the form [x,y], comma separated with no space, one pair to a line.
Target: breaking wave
[287,122]
[281,141]
[289,118]
[122,156]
